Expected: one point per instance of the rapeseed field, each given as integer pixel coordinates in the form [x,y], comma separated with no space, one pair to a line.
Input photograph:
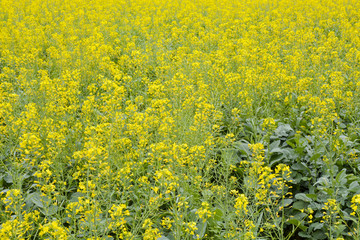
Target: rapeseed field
[175,120]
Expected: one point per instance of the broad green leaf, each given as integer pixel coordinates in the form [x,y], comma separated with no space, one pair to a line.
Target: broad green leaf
[163,238]
[316,226]
[218,214]
[315,157]
[340,228]
[354,187]
[299,205]
[297,223]
[50,210]
[283,130]
[300,167]
[303,197]
[286,202]
[201,228]
[277,150]
[75,196]
[341,177]
[243,147]
[300,216]
[304,235]
[38,200]
[312,196]
[274,144]
[318,234]
[8,178]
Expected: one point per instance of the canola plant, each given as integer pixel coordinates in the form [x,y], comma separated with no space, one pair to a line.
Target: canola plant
[179,119]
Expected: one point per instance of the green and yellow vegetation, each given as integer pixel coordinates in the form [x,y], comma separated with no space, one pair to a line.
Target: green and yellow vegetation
[179,119]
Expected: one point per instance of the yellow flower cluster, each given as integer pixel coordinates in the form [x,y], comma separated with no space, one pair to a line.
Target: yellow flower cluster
[266,183]
[150,232]
[331,212]
[241,203]
[204,212]
[114,115]
[355,203]
[54,230]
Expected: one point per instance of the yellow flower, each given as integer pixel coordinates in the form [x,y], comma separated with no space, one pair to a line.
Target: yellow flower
[53,229]
[241,204]
[204,212]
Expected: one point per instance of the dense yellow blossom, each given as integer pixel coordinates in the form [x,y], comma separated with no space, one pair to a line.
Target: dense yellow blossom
[123,119]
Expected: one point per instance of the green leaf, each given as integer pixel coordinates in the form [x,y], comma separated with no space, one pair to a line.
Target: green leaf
[243,147]
[342,126]
[339,228]
[8,178]
[316,226]
[347,216]
[303,197]
[291,144]
[297,223]
[287,202]
[163,238]
[283,130]
[273,145]
[294,221]
[38,200]
[300,216]
[341,177]
[304,235]
[49,211]
[323,181]
[259,220]
[300,167]
[276,159]
[218,214]
[319,234]
[315,157]
[277,150]
[201,228]
[75,196]
[299,205]
[312,196]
